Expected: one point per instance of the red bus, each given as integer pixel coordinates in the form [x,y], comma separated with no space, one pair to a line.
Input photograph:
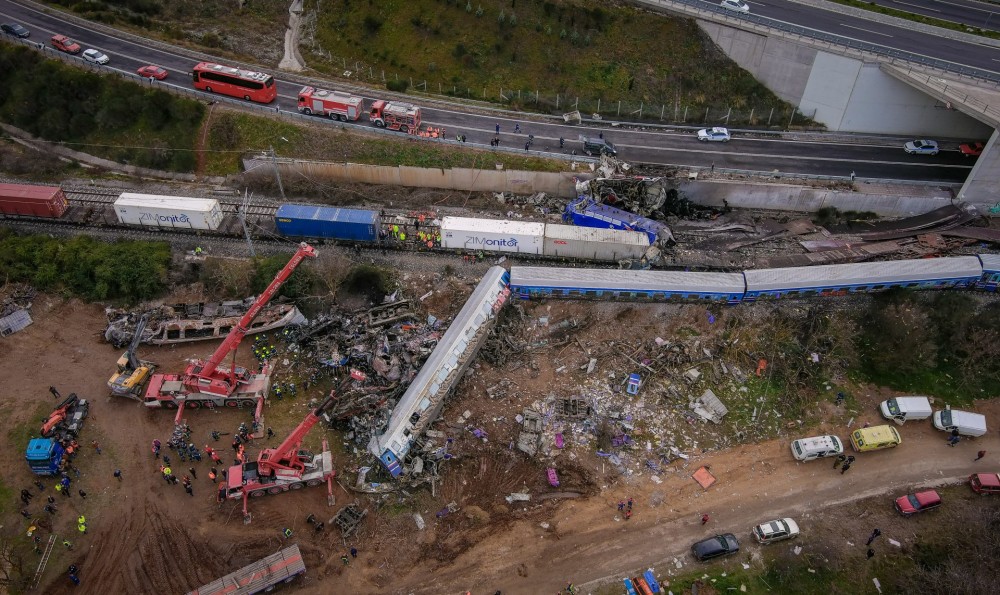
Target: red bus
[252,86]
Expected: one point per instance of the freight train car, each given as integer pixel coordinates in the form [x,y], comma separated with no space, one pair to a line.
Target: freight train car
[520,237]
[592,243]
[32,201]
[307,221]
[177,212]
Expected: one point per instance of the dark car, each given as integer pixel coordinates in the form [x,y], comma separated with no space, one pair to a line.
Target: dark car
[598,146]
[720,545]
[15,29]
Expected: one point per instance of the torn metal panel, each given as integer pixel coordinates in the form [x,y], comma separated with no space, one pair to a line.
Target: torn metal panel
[15,322]
[708,406]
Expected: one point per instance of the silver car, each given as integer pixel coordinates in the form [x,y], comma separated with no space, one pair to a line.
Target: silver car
[95,56]
[736,6]
[921,147]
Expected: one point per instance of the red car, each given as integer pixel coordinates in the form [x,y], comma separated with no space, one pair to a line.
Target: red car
[985,483]
[65,44]
[911,504]
[153,71]
[971,149]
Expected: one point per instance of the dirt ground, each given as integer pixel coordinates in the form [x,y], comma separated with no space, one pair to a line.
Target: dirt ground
[146,536]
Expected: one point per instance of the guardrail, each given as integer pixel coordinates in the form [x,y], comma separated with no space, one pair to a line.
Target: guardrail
[763,24]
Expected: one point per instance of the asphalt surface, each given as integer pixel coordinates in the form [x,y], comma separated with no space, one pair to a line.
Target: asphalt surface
[883,159]
[967,12]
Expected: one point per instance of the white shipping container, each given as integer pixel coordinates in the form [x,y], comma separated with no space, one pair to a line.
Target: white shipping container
[492,235]
[182,212]
[593,243]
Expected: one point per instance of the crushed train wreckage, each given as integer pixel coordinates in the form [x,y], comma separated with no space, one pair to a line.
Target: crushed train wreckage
[182,323]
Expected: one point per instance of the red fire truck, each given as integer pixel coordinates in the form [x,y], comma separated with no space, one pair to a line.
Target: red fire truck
[335,105]
[395,116]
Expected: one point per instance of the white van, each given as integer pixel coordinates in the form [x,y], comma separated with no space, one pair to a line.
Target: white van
[967,424]
[807,449]
[903,409]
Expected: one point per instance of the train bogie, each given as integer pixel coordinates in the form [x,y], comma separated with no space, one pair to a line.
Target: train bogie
[32,201]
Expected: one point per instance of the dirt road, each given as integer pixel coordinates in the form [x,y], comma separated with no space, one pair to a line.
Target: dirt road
[587,543]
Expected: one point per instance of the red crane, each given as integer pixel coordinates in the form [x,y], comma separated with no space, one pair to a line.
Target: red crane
[287,460]
[206,377]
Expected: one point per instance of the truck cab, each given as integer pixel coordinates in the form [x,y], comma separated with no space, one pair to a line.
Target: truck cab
[44,456]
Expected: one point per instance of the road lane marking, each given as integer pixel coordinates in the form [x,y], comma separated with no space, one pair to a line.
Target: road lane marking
[916,6]
[866,30]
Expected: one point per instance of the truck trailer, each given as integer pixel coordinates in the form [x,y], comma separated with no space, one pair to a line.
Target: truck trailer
[335,105]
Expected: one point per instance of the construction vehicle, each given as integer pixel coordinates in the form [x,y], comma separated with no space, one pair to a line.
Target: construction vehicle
[66,420]
[285,467]
[394,115]
[206,383]
[335,105]
[44,456]
[132,372]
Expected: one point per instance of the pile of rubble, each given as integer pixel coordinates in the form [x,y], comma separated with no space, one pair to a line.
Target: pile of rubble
[15,302]
[382,348]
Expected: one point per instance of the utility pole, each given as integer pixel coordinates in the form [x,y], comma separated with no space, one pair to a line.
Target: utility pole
[277,174]
[243,220]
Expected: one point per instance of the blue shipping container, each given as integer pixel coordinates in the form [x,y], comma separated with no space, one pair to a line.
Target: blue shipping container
[307,221]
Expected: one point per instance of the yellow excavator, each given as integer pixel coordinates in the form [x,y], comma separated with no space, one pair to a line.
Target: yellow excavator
[132,372]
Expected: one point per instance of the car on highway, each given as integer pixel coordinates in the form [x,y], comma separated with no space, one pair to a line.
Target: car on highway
[778,530]
[713,547]
[152,71]
[736,6]
[95,56]
[15,29]
[911,504]
[971,149]
[716,134]
[921,147]
[65,44]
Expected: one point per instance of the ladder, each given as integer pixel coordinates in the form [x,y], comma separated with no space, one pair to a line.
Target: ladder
[44,560]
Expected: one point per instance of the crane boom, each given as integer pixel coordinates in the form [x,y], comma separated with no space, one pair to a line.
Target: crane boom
[207,372]
[286,455]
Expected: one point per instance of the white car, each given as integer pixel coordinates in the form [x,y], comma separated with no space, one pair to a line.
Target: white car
[921,147]
[736,6]
[95,56]
[778,530]
[714,134]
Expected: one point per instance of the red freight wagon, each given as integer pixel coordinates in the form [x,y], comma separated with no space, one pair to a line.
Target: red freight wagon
[36,201]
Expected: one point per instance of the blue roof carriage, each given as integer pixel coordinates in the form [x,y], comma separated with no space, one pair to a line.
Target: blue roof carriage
[543,282]
[991,272]
[839,279]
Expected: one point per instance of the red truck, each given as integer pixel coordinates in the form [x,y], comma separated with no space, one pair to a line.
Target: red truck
[395,116]
[335,105]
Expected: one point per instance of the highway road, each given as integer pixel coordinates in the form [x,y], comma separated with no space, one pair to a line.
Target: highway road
[747,151]
[889,37]
[967,12]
